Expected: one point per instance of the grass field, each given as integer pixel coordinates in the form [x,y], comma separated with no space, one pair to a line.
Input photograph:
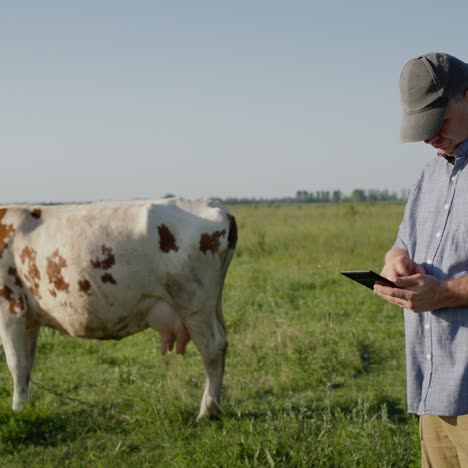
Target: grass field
[315,373]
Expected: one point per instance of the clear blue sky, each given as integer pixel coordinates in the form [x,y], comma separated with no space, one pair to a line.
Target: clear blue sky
[122,99]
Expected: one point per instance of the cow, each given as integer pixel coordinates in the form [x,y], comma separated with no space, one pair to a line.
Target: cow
[106,270]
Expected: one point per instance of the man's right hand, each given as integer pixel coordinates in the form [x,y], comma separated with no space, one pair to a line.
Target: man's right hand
[398,263]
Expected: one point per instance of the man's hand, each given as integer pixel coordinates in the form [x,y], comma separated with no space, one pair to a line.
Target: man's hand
[398,263]
[419,292]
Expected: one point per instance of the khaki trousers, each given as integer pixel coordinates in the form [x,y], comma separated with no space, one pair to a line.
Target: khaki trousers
[444,441]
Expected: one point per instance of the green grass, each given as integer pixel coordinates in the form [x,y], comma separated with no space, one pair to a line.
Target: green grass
[315,373]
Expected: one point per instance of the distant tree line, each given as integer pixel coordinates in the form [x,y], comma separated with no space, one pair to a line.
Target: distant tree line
[326,196]
[357,195]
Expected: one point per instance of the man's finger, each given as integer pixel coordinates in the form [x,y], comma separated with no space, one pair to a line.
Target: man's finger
[407,281]
[396,300]
[386,291]
[383,290]
[420,269]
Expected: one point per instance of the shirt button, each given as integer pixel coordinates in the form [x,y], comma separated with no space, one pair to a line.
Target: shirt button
[428,357]
[438,234]
[427,326]
[429,261]
[453,179]
[446,207]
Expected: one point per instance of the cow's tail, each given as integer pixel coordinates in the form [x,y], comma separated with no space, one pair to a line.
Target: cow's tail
[232,241]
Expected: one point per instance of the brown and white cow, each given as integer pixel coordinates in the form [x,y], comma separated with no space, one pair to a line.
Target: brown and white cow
[108,270]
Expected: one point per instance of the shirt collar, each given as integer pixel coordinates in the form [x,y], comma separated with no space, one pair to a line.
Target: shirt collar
[462,150]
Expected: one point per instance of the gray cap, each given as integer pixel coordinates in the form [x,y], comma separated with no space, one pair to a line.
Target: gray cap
[426,85]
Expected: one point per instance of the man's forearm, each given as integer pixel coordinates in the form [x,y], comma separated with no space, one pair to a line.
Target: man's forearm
[454,293]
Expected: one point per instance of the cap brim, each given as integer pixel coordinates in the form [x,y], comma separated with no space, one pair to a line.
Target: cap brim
[422,125]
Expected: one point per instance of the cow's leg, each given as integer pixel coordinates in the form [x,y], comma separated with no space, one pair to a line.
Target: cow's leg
[207,329]
[208,334]
[19,343]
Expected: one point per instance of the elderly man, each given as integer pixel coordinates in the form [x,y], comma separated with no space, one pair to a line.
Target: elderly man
[429,261]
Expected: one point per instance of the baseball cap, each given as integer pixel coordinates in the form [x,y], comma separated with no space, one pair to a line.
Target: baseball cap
[426,85]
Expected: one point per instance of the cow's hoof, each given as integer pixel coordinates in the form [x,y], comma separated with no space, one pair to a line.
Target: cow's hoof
[212,411]
[18,406]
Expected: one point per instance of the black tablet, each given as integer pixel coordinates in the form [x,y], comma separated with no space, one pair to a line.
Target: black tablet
[368,278]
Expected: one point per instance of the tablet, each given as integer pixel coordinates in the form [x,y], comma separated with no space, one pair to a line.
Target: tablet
[368,278]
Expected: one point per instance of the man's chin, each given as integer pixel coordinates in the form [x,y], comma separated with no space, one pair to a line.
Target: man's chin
[444,150]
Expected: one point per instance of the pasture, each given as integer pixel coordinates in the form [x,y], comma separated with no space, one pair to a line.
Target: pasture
[315,372]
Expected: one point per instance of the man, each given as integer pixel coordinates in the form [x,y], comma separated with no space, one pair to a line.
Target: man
[429,261]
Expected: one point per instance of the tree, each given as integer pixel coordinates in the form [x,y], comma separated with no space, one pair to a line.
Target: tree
[358,195]
[337,196]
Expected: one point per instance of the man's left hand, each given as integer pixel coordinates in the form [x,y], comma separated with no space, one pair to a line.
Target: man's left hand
[418,293]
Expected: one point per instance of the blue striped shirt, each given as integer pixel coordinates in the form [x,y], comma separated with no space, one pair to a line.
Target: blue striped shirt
[434,231]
